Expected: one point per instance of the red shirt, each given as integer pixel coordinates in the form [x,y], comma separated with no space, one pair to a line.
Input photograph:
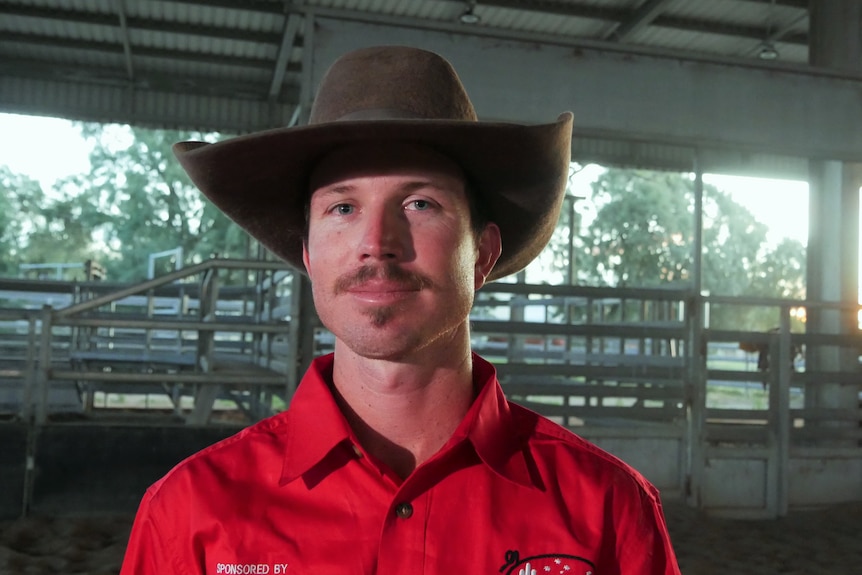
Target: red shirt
[511,492]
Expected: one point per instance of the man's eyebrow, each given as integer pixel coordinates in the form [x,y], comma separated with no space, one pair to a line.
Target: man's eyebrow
[413,186]
[408,187]
[335,189]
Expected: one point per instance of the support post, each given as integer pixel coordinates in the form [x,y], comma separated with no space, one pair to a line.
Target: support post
[833,245]
[782,411]
[206,395]
[696,352]
[30,372]
[44,373]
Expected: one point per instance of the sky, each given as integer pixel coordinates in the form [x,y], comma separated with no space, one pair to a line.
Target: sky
[780,204]
[46,149]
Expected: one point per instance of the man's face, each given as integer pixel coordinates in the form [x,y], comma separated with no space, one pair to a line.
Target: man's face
[390,252]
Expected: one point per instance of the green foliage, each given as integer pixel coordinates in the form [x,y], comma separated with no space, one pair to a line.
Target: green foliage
[642,235]
[782,274]
[142,202]
[135,201]
[734,247]
[36,229]
[20,202]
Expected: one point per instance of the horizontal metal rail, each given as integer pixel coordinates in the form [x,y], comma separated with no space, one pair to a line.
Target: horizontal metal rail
[170,324]
[168,279]
[210,378]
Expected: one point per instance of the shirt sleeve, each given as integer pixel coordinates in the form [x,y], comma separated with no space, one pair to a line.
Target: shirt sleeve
[643,545]
[152,548]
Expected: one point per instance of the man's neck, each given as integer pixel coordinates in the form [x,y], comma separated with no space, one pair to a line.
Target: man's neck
[403,412]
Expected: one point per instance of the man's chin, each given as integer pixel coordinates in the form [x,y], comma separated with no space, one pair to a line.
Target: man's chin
[382,350]
[380,316]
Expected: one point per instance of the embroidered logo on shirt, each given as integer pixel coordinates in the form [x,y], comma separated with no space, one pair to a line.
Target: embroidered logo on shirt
[549,564]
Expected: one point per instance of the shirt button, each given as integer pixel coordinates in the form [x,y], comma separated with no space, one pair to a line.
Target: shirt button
[404,510]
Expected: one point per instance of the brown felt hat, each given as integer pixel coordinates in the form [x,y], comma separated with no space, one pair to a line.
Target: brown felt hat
[390,94]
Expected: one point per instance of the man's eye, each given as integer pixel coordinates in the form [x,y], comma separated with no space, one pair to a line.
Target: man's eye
[344,209]
[420,204]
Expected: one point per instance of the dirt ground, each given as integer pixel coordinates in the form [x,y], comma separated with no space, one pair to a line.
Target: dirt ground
[59,546]
[805,542]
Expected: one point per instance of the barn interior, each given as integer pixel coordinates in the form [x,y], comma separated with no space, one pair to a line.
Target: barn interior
[767,88]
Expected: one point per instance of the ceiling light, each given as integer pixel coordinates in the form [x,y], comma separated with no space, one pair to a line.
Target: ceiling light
[468,16]
[767,51]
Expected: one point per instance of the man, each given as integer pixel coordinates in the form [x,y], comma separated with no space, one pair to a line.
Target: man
[399,453]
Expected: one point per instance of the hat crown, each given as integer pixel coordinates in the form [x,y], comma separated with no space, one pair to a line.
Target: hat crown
[391,82]
[390,94]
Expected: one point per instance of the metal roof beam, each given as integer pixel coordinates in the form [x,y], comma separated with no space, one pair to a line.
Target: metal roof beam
[595,12]
[124,34]
[621,95]
[661,20]
[562,7]
[640,19]
[617,15]
[735,31]
[288,38]
[194,106]
[94,19]
[142,52]
[778,35]
[151,81]
[261,6]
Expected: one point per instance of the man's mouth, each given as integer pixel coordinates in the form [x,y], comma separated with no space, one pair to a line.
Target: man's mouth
[382,292]
[378,282]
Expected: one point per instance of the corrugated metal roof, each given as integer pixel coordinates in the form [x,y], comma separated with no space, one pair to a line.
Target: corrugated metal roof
[253,29]
[224,49]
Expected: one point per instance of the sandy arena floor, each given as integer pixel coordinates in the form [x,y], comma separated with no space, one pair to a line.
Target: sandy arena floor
[806,542]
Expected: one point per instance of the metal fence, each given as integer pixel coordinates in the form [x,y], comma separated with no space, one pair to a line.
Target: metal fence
[638,371]
[173,347]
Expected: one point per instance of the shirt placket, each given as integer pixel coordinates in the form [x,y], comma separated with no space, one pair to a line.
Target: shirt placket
[402,542]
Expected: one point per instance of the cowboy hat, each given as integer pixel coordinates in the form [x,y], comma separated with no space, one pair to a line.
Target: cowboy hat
[390,94]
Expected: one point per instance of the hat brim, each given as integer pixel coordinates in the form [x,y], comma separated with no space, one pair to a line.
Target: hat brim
[261,180]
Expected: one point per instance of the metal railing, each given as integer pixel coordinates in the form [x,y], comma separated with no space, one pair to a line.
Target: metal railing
[586,356]
[639,371]
[183,335]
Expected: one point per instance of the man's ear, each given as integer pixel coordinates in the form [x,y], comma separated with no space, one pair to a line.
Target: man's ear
[490,247]
[305,258]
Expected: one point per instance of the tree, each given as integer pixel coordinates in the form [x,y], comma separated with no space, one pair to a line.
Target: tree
[642,235]
[734,246]
[37,229]
[782,273]
[137,201]
[21,199]
[66,234]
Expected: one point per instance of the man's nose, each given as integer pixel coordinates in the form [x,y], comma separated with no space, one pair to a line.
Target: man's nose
[384,235]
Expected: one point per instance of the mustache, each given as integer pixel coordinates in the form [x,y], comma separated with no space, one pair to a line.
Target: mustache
[387,272]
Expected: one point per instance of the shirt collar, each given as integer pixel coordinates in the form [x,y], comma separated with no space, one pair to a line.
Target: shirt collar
[316,426]
[497,435]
